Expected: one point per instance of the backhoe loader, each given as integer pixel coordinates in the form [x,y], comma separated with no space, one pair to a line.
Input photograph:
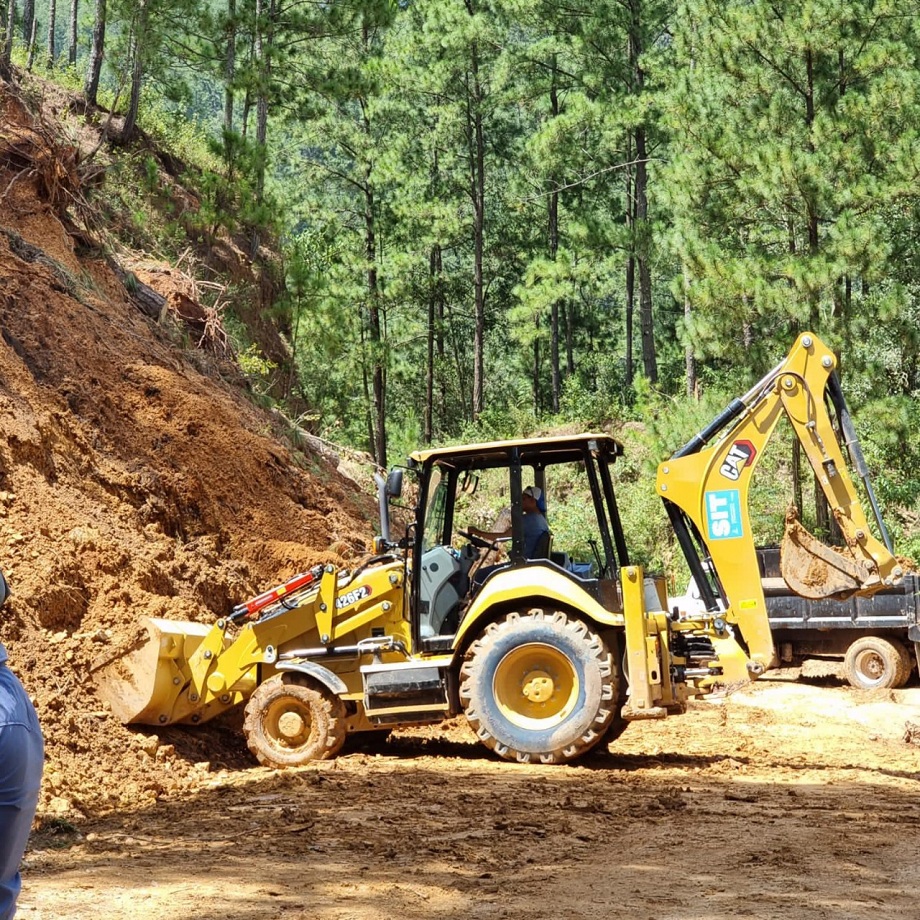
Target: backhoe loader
[545,658]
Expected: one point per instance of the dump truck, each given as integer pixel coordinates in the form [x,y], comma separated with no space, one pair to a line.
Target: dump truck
[872,642]
[545,658]
[869,641]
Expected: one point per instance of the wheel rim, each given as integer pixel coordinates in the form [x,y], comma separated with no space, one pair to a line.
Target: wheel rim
[288,723]
[536,686]
[871,666]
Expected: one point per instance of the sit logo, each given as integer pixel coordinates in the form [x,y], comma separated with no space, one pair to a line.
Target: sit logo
[723,514]
[740,455]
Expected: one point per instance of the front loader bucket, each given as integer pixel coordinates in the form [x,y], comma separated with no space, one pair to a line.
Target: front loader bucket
[815,570]
[142,684]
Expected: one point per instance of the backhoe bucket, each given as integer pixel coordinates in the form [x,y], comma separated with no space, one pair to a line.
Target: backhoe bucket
[815,570]
[142,684]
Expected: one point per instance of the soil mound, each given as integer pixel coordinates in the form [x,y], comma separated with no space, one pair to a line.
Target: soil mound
[133,481]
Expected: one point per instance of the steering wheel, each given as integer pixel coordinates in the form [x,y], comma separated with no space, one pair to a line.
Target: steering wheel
[477,541]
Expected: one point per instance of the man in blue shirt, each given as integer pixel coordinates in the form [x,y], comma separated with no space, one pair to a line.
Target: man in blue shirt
[535,529]
[21,762]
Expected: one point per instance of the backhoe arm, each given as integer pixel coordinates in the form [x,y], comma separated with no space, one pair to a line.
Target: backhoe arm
[705,489]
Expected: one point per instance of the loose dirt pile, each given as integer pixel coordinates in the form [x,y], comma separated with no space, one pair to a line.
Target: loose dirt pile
[132,481]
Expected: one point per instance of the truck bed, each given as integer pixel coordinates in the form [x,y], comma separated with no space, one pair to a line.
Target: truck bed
[805,630]
[891,608]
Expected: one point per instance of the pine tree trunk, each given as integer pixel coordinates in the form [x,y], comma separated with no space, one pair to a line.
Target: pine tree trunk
[261,109]
[630,318]
[434,281]
[137,72]
[535,368]
[478,193]
[52,23]
[30,60]
[230,65]
[373,293]
[94,69]
[247,96]
[435,318]
[553,252]
[7,51]
[569,309]
[368,414]
[630,267]
[439,343]
[28,18]
[554,309]
[4,12]
[646,318]
[72,33]
[376,337]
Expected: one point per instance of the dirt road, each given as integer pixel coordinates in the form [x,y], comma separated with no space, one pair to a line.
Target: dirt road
[789,800]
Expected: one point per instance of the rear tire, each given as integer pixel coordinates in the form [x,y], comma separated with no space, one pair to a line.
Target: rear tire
[290,722]
[873,663]
[539,687]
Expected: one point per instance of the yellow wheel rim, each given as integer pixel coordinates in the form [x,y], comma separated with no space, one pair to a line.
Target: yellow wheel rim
[535,686]
[288,723]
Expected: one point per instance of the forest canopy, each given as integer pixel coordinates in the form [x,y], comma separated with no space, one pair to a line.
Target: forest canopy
[498,216]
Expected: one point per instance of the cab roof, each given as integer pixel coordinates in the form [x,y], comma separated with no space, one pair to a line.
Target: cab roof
[535,452]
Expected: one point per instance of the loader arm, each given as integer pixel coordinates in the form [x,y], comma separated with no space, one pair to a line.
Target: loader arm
[705,488]
[190,672]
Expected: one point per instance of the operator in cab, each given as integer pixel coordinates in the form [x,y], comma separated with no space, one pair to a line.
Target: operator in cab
[535,527]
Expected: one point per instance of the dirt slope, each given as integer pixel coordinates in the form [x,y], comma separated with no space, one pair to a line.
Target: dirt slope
[131,482]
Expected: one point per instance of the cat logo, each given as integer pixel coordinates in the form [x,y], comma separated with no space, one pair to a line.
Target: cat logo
[740,455]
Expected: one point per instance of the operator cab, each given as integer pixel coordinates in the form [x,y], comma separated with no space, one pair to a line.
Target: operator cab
[450,565]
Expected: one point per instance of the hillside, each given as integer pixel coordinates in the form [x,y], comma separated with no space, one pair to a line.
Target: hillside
[133,480]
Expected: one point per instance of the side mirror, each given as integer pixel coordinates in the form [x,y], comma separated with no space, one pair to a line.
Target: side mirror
[469,482]
[4,590]
[394,483]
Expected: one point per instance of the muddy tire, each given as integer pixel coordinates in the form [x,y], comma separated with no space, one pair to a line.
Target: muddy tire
[873,663]
[539,687]
[290,722]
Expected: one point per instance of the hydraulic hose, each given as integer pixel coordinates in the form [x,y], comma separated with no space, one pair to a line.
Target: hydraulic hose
[851,442]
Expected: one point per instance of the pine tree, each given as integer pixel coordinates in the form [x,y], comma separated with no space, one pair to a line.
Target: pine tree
[797,126]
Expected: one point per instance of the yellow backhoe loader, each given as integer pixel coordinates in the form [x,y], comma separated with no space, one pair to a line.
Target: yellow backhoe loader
[545,657]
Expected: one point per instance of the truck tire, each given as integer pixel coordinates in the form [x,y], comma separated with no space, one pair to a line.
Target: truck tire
[539,687]
[291,721]
[874,663]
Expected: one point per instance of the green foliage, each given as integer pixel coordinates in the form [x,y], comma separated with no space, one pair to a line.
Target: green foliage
[793,153]
[253,363]
[780,146]
[888,432]
[178,135]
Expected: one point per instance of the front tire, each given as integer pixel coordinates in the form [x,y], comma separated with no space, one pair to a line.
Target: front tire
[290,722]
[873,663]
[539,687]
